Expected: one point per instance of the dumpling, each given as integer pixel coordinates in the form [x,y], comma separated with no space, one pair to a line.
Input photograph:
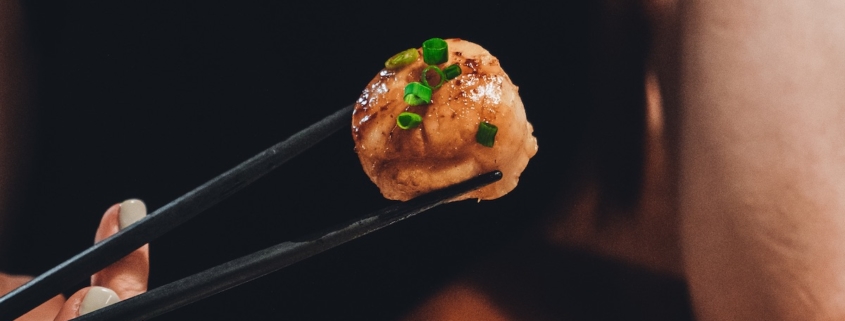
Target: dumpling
[443,146]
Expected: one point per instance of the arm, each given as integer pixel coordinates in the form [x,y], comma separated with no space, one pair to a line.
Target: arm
[763,159]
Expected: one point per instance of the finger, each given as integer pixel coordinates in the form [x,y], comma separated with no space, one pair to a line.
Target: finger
[128,276]
[86,300]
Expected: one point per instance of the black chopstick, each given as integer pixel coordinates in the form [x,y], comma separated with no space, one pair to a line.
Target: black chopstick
[247,268]
[97,257]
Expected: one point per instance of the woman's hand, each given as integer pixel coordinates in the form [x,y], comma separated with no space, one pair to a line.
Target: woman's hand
[121,280]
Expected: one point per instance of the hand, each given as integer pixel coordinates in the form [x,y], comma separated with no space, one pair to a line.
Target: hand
[121,280]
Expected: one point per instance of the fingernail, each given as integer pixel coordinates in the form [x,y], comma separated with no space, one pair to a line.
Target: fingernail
[97,298]
[131,211]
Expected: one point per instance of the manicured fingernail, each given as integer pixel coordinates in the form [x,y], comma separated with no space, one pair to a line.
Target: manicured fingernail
[131,211]
[97,298]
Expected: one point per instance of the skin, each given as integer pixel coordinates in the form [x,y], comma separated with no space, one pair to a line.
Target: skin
[127,277]
[754,147]
[744,175]
[762,148]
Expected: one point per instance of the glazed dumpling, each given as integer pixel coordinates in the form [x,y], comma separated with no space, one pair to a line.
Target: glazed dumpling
[443,145]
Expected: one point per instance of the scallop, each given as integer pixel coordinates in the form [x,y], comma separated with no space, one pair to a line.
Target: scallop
[442,150]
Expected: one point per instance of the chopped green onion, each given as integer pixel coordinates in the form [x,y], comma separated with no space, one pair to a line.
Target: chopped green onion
[417,94]
[435,51]
[408,120]
[402,59]
[486,134]
[452,71]
[440,75]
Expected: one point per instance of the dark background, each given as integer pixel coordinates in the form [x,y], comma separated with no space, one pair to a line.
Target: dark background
[149,99]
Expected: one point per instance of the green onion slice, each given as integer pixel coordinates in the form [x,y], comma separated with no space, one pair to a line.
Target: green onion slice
[408,120]
[440,75]
[486,134]
[402,59]
[452,71]
[435,51]
[417,94]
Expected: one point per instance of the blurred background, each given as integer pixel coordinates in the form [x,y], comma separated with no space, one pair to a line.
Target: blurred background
[150,99]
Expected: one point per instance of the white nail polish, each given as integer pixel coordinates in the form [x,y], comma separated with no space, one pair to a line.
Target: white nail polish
[131,211]
[97,298]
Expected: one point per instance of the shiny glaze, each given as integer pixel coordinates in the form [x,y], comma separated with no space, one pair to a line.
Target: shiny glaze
[442,150]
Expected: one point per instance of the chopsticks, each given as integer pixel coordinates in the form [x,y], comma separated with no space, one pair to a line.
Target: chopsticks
[100,255]
[247,268]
